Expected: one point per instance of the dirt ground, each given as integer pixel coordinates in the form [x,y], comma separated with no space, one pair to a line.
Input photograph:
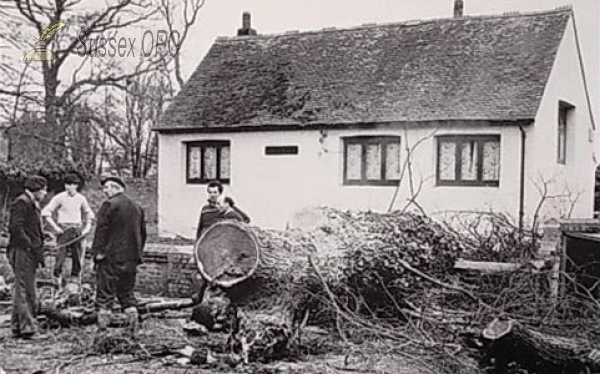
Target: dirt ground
[72,350]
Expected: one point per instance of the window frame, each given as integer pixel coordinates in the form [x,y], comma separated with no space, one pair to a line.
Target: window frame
[363,140]
[564,111]
[459,140]
[203,144]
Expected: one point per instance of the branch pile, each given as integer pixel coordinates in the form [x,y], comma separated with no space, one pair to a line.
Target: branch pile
[392,277]
[387,254]
[370,264]
[370,261]
[74,306]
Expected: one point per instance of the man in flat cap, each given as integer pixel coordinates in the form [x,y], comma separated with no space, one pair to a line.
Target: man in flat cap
[25,253]
[117,251]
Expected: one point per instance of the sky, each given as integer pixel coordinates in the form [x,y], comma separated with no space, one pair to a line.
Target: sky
[224,17]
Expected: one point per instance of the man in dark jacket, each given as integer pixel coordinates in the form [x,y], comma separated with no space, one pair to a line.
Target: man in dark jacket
[229,201]
[117,250]
[210,213]
[227,212]
[25,253]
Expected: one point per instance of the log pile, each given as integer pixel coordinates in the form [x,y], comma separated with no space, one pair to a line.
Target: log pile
[74,306]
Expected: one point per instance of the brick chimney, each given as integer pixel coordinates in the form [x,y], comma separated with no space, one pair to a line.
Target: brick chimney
[246,26]
[458,8]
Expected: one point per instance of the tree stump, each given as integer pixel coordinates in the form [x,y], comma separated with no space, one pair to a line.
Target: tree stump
[511,341]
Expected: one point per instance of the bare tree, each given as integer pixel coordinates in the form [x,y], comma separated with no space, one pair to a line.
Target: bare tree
[406,171]
[565,198]
[124,137]
[58,92]
[189,10]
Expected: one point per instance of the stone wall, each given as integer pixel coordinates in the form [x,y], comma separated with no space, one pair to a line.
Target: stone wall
[166,270]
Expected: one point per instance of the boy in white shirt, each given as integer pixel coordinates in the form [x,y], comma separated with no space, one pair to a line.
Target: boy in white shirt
[73,219]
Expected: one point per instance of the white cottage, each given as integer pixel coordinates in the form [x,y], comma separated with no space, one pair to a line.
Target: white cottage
[466,113]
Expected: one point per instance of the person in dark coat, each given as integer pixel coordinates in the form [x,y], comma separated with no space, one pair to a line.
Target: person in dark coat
[117,251]
[224,212]
[210,213]
[229,201]
[25,254]
[227,212]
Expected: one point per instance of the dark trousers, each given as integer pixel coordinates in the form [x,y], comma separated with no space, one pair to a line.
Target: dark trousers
[74,250]
[115,279]
[24,264]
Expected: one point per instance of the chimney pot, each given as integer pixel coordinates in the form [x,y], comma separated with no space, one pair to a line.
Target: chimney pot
[246,26]
[246,20]
[458,8]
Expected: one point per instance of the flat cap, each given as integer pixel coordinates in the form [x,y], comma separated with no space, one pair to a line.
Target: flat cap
[116,180]
[35,183]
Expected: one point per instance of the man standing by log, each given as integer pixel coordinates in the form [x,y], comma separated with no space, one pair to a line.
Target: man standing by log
[73,220]
[217,210]
[25,252]
[209,214]
[117,250]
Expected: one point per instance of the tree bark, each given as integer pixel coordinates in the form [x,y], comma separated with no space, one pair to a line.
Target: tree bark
[257,268]
[538,352]
[52,132]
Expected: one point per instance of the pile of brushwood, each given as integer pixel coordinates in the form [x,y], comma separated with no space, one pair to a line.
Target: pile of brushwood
[391,277]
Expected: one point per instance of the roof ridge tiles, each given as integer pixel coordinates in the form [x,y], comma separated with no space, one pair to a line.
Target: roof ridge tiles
[407,23]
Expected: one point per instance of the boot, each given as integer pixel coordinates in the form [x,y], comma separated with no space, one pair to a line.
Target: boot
[132,320]
[103,319]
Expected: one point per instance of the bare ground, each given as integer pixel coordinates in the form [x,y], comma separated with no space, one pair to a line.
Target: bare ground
[74,350]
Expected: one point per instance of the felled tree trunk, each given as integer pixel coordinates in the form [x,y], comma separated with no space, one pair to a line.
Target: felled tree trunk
[259,280]
[370,255]
[80,317]
[256,268]
[379,258]
[510,341]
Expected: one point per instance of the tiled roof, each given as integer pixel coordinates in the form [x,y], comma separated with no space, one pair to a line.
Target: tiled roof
[471,68]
